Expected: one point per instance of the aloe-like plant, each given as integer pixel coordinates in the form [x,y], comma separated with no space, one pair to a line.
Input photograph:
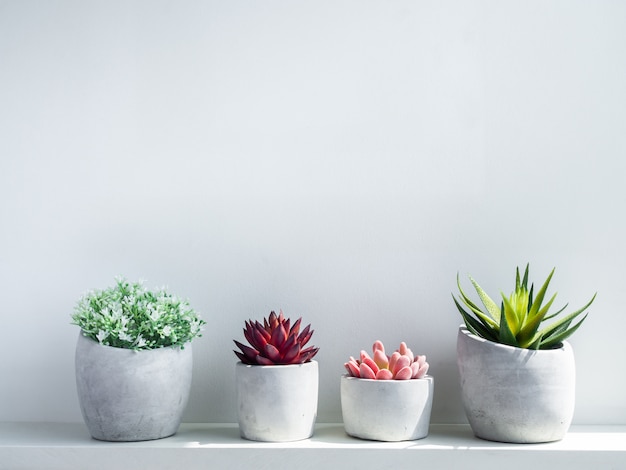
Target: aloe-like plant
[518,320]
[275,342]
[401,365]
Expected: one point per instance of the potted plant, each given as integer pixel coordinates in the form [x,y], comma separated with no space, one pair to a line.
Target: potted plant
[133,361]
[387,398]
[277,381]
[517,375]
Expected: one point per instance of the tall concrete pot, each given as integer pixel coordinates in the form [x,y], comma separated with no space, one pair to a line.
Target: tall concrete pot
[277,403]
[129,395]
[386,410]
[516,395]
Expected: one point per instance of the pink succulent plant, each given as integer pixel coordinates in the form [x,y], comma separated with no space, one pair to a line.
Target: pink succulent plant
[401,365]
[275,342]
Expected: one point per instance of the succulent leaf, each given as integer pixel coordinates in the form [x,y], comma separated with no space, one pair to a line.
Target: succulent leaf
[352,367]
[404,374]
[381,359]
[384,374]
[365,372]
[272,353]
[490,305]
[371,364]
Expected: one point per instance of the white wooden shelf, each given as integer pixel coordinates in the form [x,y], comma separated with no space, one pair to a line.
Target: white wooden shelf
[67,446]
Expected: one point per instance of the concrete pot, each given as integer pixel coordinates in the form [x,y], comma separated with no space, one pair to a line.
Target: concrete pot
[386,410]
[516,395]
[277,403]
[129,395]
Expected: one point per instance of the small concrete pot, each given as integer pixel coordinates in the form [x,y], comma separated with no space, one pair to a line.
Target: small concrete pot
[277,403]
[129,395]
[386,410]
[516,395]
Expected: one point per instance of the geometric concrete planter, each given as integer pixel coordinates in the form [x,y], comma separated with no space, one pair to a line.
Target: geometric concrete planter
[386,410]
[516,395]
[130,395]
[277,403]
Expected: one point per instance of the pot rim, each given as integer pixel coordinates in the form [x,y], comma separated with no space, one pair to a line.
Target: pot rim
[276,366]
[425,378]
[85,337]
[463,329]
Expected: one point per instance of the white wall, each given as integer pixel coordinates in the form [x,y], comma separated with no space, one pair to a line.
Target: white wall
[338,159]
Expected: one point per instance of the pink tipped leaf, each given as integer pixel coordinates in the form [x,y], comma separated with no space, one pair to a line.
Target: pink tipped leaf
[393,359]
[384,374]
[406,351]
[423,370]
[352,367]
[381,360]
[365,372]
[403,374]
[401,363]
[371,364]
[378,346]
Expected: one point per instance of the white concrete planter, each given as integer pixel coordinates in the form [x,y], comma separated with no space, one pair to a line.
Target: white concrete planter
[516,395]
[386,410]
[132,396]
[277,403]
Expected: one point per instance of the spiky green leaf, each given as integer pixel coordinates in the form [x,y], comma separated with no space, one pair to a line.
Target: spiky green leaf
[490,305]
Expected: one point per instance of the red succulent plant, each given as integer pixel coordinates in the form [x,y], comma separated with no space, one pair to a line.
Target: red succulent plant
[275,342]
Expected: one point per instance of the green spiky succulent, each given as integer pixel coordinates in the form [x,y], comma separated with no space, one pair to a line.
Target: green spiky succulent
[518,319]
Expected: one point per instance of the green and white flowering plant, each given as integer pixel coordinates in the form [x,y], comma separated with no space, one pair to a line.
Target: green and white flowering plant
[129,316]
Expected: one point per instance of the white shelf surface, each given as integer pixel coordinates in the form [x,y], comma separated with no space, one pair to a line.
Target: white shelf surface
[67,446]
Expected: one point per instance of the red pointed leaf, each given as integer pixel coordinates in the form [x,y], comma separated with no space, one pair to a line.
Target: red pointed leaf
[247,350]
[264,361]
[287,345]
[279,335]
[272,353]
[295,329]
[307,354]
[305,335]
[259,340]
[262,331]
[272,321]
[243,358]
[292,355]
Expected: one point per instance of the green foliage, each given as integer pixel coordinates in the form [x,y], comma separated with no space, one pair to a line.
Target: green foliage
[129,316]
[518,320]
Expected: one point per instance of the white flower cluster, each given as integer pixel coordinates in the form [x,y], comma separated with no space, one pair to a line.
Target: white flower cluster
[129,316]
